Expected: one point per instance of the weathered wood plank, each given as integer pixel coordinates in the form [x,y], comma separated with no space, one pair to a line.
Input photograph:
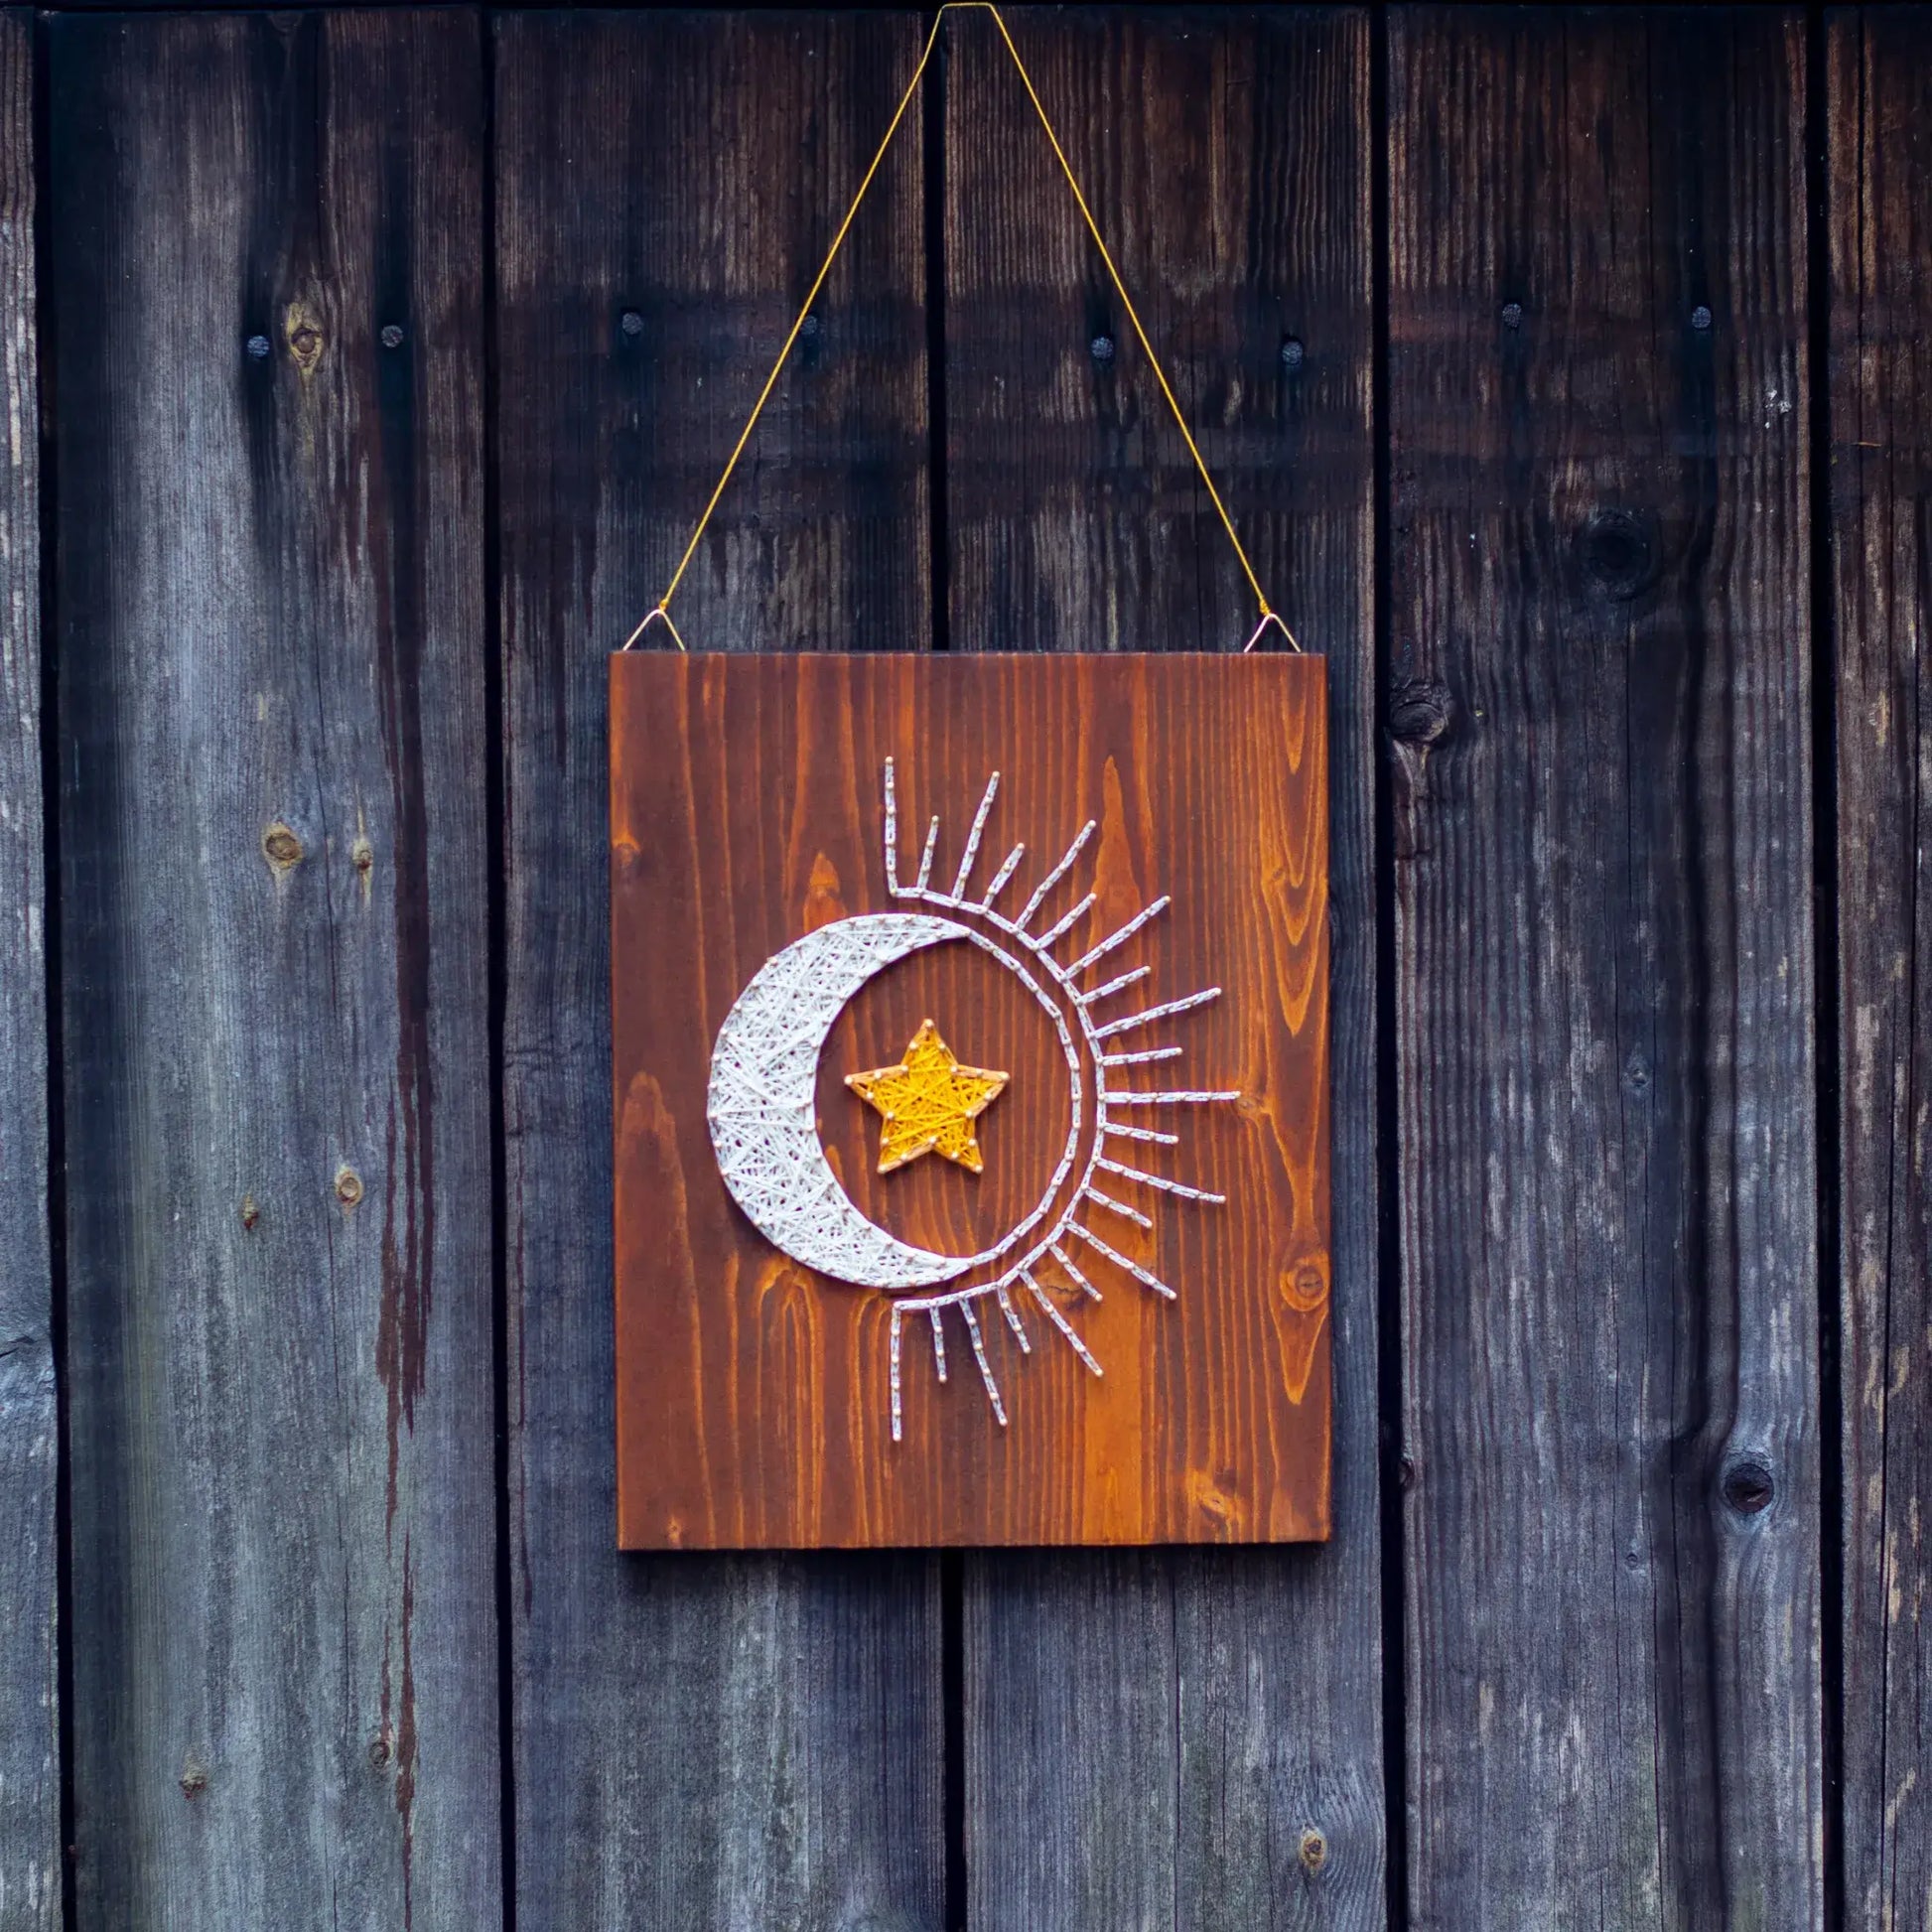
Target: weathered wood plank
[30,1780]
[1603,799]
[699,1741]
[1167,1738]
[1880,129]
[270,576]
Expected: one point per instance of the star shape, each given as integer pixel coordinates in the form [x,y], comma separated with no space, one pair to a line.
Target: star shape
[928,1102]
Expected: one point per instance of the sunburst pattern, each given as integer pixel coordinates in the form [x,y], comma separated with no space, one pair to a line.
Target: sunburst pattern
[1089,1177]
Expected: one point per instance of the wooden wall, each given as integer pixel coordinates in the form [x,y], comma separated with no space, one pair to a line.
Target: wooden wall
[1571,376]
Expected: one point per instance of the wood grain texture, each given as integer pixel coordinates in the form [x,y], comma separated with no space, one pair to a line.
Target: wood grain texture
[699,1741]
[1880,129]
[1602,808]
[270,576]
[1190,1737]
[30,1753]
[747,812]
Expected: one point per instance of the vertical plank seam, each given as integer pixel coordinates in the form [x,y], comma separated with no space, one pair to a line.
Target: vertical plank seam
[50,958]
[1390,1455]
[952,1696]
[957,1877]
[932,132]
[496,841]
[1825,980]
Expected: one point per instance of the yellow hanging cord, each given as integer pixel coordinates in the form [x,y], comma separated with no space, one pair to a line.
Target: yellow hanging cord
[661,610]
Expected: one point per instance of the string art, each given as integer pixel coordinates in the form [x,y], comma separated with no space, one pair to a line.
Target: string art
[1120,1117]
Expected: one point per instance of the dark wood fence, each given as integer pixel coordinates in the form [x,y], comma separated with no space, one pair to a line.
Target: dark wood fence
[1571,375]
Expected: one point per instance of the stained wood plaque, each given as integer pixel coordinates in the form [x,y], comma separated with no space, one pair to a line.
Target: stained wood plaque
[1087,1300]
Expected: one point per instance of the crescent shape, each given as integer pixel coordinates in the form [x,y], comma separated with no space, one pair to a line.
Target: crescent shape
[764,1110]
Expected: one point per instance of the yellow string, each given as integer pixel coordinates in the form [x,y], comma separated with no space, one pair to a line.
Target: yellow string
[661,608]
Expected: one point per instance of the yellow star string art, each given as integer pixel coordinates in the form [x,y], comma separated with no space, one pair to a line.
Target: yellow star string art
[927,1102]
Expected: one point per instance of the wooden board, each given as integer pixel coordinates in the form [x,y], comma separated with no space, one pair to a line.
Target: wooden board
[748,1742]
[1879,107]
[1150,1737]
[1603,807]
[274,962]
[30,1750]
[756,1399]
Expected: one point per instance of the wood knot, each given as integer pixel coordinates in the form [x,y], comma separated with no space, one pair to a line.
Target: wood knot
[1748,1486]
[361,855]
[1304,1283]
[250,1213]
[349,1186]
[1418,711]
[1617,549]
[302,331]
[193,1777]
[379,1751]
[281,848]
[1314,1850]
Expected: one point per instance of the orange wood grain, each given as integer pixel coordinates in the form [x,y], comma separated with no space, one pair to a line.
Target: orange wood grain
[753,1395]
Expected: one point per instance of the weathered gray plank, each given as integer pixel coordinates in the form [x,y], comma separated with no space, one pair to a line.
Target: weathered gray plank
[741,1742]
[30,1780]
[1604,979]
[1192,1738]
[271,597]
[1879,125]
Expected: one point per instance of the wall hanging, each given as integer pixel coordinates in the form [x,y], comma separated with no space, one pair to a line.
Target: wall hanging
[970,1046]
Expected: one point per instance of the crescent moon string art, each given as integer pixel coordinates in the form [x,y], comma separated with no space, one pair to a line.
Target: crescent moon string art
[760,1102]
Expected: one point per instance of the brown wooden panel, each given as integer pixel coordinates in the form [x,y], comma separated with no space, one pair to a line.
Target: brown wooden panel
[1880,110]
[275,968]
[1146,1737]
[754,1402]
[1603,825]
[700,1742]
[30,1753]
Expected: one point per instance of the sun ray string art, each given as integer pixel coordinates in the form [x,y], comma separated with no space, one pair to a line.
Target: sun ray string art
[763,1127]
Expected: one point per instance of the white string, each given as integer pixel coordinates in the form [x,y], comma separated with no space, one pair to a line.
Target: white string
[1054,877]
[1119,1260]
[1126,933]
[973,839]
[1118,1208]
